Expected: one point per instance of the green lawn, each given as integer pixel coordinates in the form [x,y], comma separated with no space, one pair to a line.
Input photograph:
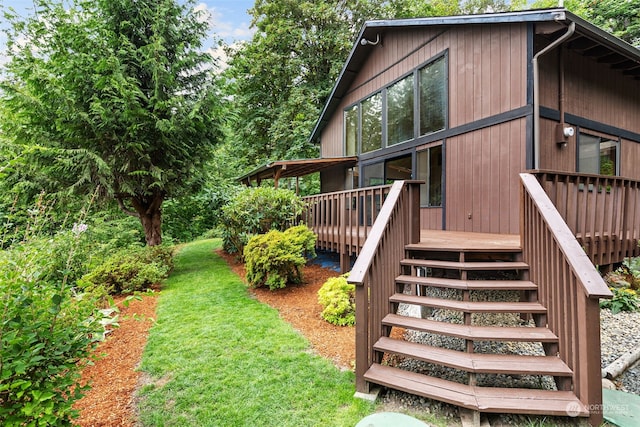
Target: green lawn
[218,357]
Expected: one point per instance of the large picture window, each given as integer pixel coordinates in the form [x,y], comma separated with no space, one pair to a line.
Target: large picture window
[372,123]
[351,120]
[597,155]
[430,171]
[411,107]
[400,111]
[433,97]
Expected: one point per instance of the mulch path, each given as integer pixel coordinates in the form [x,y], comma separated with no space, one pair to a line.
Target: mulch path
[114,378]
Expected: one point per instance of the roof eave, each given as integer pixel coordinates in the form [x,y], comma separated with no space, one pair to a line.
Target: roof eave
[359,53]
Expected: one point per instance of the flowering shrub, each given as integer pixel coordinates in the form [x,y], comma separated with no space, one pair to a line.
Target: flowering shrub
[338,300]
[274,259]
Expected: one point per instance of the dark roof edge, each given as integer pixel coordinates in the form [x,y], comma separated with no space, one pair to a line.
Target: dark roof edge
[536,15]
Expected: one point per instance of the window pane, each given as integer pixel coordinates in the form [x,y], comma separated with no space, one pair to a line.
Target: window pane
[430,171]
[351,131]
[435,176]
[400,111]
[397,169]
[372,123]
[433,97]
[373,174]
[588,154]
[608,157]
[597,155]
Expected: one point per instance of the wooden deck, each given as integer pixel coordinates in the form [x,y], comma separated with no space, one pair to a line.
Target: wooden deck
[466,241]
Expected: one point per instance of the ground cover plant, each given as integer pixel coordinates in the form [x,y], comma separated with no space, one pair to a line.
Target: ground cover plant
[217,356]
[624,283]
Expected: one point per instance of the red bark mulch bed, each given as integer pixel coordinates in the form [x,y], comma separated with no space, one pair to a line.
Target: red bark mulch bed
[113,377]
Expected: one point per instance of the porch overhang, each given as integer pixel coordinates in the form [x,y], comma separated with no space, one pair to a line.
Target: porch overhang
[294,168]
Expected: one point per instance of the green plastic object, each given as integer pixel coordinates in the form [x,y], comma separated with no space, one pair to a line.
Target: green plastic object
[390,419]
[620,408]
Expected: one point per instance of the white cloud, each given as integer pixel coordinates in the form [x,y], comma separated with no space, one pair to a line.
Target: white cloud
[225,28]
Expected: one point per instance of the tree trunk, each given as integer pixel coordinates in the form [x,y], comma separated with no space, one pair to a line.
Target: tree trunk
[152,225]
[149,211]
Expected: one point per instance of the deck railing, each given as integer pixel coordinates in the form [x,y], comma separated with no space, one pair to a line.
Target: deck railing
[569,287]
[603,212]
[342,220]
[377,266]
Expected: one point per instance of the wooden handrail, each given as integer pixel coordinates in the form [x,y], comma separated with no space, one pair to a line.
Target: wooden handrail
[343,220]
[372,243]
[569,286]
[601,211]
[581,265]
[378,264]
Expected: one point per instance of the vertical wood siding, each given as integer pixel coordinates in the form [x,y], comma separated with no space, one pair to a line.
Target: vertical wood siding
[487,71]
[482,179]
[431,218]
[487,76]
[630,159]
[595,92]
[554,156]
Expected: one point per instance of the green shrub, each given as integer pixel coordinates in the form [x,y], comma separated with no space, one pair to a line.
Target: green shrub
[257,211]
[338,300]
[47,328]
[275,259]
[624,299]
[627,275]
[131,270]
[193,216]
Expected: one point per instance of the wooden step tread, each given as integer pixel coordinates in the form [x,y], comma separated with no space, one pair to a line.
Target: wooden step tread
[470,306]
[462,247]
[472,332]
[467,266]
[508,364]
[439,282]
[483,399]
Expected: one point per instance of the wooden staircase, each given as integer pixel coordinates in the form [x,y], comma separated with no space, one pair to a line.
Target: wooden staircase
[473,304]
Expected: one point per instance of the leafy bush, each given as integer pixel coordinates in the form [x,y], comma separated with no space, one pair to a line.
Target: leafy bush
[627,275]
[624,283]
[274,259]
[257,211]
[338,300]
[131,270]
[47,328]
[190,217]
[624,299]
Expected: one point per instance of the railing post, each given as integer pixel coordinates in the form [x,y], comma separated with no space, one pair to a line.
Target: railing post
[362,336]
[589,332]
[571,293]
[414,212]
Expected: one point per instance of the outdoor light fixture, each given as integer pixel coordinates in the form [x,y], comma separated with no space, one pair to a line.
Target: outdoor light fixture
[568,131]
[365,42]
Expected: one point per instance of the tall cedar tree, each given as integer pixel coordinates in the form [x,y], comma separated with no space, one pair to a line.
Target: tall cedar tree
[115,94]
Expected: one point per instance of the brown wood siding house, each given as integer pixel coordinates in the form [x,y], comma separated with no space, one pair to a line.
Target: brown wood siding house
[524,128]
[487,133]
